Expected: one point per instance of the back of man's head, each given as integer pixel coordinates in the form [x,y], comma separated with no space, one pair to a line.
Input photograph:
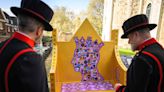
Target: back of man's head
[28,24]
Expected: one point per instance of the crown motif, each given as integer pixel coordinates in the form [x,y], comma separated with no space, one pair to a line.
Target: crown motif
[86,58]
[80,43]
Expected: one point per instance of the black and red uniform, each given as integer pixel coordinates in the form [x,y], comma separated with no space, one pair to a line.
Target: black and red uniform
[146,72]
[21,68]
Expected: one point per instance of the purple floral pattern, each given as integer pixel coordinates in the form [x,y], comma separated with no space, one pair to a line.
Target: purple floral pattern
[85,86]
[86,58]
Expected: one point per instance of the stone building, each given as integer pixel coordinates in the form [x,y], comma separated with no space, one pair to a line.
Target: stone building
[160,32]
[123,9]
[2,25]
[8,25]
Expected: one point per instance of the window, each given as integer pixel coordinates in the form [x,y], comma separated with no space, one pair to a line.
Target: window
[1,26]
[148,10]
[11,22]
[8,29]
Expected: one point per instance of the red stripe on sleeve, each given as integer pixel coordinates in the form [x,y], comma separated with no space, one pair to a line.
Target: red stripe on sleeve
[10,64]
[123,90]
[5,45]
[159,67]
[118,88]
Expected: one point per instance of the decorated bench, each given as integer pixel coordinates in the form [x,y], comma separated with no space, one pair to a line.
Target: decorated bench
[86,63]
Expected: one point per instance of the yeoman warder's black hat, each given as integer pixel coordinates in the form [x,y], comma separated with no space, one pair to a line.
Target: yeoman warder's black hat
[135,23]
[37,9]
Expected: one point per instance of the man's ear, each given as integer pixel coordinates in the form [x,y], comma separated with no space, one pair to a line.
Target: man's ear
[136,34]
[39,31]
[137,37]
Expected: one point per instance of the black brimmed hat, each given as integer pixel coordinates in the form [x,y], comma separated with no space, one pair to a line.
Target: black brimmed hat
[135,23]
[37,9]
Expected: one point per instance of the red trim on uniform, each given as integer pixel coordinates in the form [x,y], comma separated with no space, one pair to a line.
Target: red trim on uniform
[159,67]
[117,89]
[5,45]
[123,90]
[147,43]
[11,63]
[24,38]
[35,13]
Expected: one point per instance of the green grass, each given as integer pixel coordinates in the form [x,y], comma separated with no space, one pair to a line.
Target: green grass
[127,52]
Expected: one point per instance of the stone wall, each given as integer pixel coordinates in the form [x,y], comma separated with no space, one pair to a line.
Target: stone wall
[160,35]
[123,9]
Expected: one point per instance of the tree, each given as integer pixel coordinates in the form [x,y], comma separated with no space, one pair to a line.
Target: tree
[46,39]
[62,19]
[65,22]
[76,23]
[95,14]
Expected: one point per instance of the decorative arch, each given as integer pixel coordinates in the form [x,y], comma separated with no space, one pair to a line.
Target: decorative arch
[145,5]
[148,10]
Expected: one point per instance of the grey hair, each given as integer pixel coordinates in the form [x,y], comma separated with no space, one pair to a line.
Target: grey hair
[145,33]
[28,24]
[145,30]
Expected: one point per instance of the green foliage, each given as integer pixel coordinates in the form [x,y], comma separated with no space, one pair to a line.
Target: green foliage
[61,20]
[95,14]
[76,23]
[67,21]
[126,52]
[46,39]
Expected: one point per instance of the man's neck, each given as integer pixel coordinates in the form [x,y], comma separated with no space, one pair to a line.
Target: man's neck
[146,42]
[142,41]
[25,34]
[146,39]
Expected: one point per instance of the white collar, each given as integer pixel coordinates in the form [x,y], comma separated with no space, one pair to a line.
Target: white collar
[24,34]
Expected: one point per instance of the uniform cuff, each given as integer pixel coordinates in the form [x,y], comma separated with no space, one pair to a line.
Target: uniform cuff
[117,89]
